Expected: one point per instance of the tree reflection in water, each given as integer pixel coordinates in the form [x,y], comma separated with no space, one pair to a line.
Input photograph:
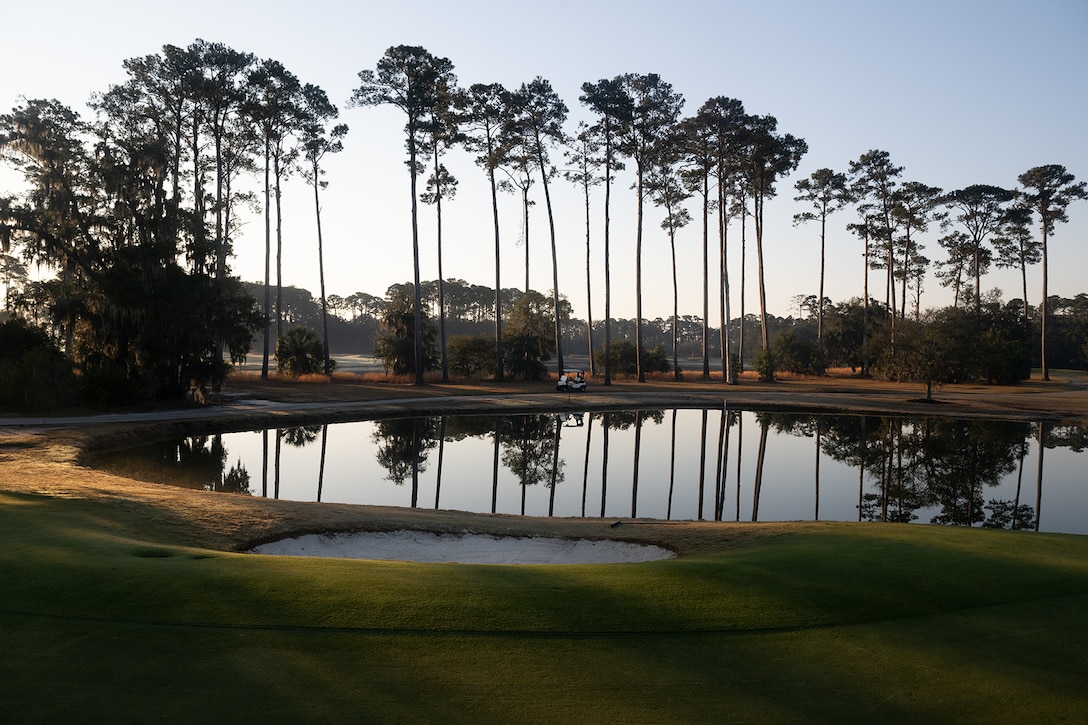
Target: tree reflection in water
[941,470]
[403,444]
[530,443]
[197,462]
[321,465]
[940,463]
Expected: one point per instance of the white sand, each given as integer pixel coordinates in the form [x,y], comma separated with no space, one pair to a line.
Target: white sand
[422,546]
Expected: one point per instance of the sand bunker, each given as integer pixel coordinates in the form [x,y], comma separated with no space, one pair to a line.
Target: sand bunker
[423,546]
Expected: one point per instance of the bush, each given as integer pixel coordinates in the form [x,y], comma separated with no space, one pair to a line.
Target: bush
[654,360]
[18,337]
[105,382]
[622,356]
[472,356]
[764,363]
[1003,359]
[300,352]
[792,354]
[523,358]
[34,375]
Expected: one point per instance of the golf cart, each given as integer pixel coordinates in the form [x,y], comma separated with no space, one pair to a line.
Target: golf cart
[572,380]
[571,420]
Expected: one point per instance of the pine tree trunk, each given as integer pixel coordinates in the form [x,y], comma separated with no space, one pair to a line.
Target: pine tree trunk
[555,267]
[499,375]
[267,261]
[1043,311]
[607,274]
[589,285]
[321,274]
[706,278]
[418,311]
[638,286]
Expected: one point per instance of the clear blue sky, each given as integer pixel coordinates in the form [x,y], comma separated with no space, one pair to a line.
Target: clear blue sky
[958,92]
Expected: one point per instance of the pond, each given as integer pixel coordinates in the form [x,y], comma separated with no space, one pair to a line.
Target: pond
[684,464]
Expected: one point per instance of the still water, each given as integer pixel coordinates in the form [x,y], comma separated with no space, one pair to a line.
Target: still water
[665,464]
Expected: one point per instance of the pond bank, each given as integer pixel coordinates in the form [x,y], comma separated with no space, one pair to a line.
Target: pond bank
[43,457]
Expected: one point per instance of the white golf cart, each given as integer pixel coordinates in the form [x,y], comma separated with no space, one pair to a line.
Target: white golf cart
[572,380]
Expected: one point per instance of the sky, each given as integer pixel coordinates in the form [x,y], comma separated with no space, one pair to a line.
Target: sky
[958,92]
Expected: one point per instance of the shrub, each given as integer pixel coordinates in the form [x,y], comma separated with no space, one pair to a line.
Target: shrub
[472,356]
[104,382]
[622,356]
[34,374]
[654,360]
[300,352]
[793,354]
[764,363]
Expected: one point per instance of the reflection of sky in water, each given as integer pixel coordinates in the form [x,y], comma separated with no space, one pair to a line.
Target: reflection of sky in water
[353,475]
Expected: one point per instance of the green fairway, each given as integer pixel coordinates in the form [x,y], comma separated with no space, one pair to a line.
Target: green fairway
[103,621]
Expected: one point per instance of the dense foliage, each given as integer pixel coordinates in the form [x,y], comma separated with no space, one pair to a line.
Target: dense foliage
[299,352]
[394,344]
[528,337]
[134,212]
[34,374]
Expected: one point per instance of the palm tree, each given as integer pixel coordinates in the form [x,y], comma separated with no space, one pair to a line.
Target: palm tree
[914,210]
[873,180]
[952,269]
[444,132]
[980,210]
[441,185]
[866,230]
[215,82]
[519,170]
[725,121]
[1016,248]
[740,208]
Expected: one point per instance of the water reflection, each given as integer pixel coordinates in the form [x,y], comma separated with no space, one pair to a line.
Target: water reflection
[836,467]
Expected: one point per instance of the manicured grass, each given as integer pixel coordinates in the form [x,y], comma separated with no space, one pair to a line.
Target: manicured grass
[100,620]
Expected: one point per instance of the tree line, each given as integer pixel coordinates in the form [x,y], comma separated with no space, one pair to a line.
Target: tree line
[945,344]
[731,161]
[137,209]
